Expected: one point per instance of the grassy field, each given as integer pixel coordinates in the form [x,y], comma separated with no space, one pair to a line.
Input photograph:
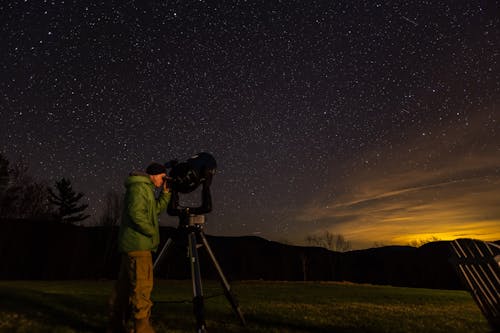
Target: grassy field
[80,306]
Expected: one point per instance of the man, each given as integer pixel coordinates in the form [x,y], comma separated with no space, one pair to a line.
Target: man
[139,235]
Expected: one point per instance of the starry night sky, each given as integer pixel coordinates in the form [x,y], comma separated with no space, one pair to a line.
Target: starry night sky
[377,120]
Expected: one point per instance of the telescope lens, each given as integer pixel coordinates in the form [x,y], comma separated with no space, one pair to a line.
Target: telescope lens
[187,176]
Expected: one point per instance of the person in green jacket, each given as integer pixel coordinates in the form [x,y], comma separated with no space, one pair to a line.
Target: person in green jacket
[139,235]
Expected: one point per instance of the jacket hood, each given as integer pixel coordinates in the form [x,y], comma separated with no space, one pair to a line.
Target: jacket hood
[138,173]
[138,177]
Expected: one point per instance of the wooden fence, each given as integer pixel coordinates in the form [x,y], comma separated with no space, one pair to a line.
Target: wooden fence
[478,265]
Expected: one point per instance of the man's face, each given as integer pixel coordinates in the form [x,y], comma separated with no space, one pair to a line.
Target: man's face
[158,179]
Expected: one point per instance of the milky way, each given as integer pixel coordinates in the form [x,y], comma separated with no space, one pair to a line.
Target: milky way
[361,118]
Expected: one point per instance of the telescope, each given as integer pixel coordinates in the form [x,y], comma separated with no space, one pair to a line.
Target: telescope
[186,177]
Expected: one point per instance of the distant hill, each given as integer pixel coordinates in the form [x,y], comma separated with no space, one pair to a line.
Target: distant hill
[49,250]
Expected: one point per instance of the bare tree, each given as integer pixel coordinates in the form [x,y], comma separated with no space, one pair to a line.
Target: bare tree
[330,241]
[22,196]
[341,244]
[112,210]
[35,202]
[314,240]
[4,174]
[110,218]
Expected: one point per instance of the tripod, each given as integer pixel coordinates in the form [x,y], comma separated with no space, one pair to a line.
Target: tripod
[192,224]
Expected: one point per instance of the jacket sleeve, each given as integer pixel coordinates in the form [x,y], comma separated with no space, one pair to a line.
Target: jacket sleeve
[137,209]
[162,202]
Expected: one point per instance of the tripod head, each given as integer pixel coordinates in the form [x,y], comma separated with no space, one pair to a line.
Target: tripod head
[189,216]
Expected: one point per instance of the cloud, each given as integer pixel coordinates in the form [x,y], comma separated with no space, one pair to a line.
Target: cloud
[445,186]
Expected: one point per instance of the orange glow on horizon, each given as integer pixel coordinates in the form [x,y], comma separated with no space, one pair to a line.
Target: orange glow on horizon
[414,196]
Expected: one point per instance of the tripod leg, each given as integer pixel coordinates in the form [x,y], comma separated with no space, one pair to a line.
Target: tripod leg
[163,252]
[197,288]
[225,285]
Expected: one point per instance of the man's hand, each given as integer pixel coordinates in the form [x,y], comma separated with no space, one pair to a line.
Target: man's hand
[166,182]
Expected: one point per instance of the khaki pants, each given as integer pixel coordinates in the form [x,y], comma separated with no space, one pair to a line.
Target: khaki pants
[130,298]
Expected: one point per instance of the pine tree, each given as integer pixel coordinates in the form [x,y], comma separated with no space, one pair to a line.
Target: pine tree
[66,201]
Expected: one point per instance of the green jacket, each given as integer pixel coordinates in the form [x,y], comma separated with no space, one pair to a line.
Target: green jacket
[139,229]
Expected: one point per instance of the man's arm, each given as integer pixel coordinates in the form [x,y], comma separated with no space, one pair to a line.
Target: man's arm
[162,201]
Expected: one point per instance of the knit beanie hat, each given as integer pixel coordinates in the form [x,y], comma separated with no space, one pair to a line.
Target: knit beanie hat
[155,169]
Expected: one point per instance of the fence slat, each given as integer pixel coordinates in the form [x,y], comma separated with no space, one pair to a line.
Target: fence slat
[478,265]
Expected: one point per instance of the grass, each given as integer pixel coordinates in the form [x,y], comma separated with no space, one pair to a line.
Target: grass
[80,306]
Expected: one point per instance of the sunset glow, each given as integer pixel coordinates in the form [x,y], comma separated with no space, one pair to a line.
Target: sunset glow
[442,190]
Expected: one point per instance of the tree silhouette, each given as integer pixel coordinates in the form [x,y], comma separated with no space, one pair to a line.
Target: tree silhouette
[4,174]
[110,218]
[112,210]
[330,241]
[21,196]
[4,182]
[4,178]
[66,201]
